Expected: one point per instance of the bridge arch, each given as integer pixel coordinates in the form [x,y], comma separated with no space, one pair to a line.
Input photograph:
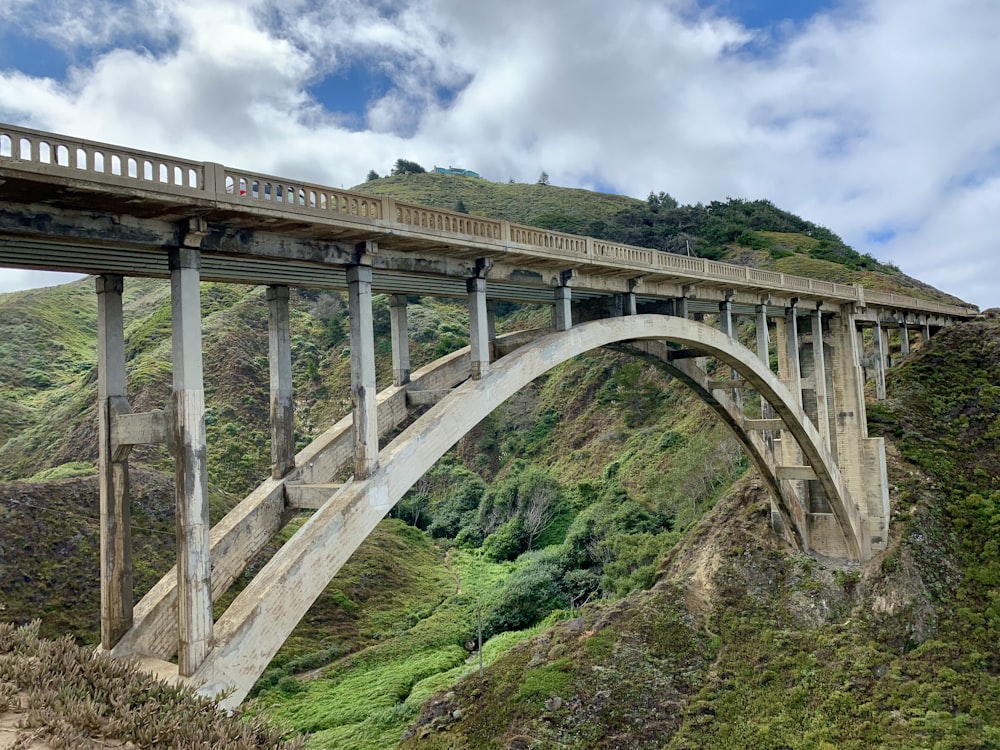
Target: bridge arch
[259,620]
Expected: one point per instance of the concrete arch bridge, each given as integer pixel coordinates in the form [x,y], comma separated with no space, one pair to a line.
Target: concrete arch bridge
[75,205]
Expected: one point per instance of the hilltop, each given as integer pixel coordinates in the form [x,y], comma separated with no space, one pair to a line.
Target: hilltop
[603,517]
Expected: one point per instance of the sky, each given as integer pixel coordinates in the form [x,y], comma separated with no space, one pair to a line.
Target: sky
[878,119]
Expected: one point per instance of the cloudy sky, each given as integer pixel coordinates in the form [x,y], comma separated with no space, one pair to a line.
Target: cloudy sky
[879,119]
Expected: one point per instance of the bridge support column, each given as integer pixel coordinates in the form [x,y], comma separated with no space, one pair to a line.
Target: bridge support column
[363,393]
[904,338]
[400,340]
[879,357]
[563,311]
[116,534]
[194,583]
[726,326]
[726,317]
[760,324]
[794,368]
[680,307]
[491,320]
[819,377]
[789,372]
[925,331]
[479,339]
[282,405]
[861,459]
[764,354]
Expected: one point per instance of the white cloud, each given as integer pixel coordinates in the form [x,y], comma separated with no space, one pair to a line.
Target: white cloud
[877,117]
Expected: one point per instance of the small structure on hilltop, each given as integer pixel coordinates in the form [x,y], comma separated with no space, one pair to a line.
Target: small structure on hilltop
[458,171]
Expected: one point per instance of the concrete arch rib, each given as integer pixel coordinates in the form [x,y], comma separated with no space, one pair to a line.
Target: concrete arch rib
[265,612]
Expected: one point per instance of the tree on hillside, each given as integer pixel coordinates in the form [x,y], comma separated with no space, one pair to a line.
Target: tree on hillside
[543,178]
[372,175]
[660,200]
[405,166]
[460,207]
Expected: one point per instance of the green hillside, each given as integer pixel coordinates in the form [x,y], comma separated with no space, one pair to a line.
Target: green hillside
[602,523]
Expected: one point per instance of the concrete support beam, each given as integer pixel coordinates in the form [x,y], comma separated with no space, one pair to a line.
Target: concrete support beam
[309,496]
[116,522]
[144,428]
[819,377]
[792,352]
[629,304]
[726,317]
[904,338]
[563,311]
[363,393]
[280,364]
[795,473]
[400,340]
[680,307]
[879,357]
[925,332]
[479,340]
[426,397]
[194,601]
[491,319]
[763,344]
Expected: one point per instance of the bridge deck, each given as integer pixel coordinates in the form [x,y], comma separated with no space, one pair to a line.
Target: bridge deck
[76,205]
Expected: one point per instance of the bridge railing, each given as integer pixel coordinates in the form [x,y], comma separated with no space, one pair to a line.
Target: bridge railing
[453,222]
[50,154]
[252,188]
[58,155]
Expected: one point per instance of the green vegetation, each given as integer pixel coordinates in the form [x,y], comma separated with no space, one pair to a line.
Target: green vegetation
[71,697]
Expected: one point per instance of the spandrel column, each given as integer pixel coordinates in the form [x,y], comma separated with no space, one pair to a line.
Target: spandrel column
[194,596]
[479,339]
[116,537]
[280,365]
[399,330]
[363,394]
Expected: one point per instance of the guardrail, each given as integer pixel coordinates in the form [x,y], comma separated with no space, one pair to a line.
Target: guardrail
[44,153]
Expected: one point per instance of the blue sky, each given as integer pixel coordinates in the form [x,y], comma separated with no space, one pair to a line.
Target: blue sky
[876,118]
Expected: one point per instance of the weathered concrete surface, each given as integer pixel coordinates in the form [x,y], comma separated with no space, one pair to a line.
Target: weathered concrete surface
[279,349]
[116,535]
[248,527]
[194,571]
[262,616]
